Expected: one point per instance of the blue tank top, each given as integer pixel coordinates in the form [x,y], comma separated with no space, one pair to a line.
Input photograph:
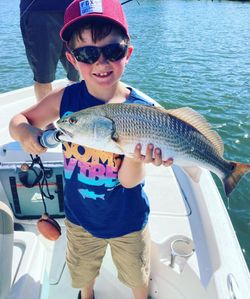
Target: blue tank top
[94,198]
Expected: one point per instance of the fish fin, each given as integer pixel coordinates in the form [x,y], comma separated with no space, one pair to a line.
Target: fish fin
[232,179]
[193,172]
[197,121]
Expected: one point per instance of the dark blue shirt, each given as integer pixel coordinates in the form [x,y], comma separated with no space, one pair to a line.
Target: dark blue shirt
[43,5]
[94,198]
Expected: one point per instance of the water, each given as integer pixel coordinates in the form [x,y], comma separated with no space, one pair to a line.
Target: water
[187,53]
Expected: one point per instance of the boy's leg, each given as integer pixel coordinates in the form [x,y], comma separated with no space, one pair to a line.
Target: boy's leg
[141,292]
[88,291]
[131,255]
[84,258]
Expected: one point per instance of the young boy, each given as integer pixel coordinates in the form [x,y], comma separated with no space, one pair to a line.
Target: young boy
[104,198]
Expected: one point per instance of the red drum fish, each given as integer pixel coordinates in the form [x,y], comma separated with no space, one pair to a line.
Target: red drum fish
[182,134]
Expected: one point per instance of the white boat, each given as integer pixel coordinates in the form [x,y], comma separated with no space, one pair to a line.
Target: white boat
[195,252]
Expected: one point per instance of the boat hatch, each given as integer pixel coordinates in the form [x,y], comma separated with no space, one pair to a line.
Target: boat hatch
[168,201]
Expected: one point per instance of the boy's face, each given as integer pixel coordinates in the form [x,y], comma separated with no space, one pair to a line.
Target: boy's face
[102,73]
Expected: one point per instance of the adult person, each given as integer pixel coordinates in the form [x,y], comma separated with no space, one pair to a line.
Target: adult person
[40,23]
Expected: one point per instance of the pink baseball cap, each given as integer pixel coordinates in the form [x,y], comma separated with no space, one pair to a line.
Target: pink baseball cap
[80,10]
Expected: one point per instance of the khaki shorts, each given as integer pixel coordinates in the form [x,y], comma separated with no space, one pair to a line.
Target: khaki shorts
[130,254]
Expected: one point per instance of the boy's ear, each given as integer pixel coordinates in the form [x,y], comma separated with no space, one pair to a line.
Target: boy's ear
[130,51]
[71,58]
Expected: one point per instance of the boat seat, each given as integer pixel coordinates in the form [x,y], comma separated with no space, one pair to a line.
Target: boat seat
[6,248]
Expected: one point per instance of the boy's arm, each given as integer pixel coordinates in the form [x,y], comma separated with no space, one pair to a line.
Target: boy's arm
[27,126]
[132,171]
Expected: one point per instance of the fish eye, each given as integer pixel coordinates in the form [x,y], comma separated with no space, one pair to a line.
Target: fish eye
[72,120]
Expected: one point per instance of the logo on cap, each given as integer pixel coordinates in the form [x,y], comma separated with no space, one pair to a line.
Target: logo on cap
[90,6]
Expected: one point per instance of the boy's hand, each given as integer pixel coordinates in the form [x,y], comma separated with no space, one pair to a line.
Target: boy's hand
[29,140]
[150,152]
[132,170]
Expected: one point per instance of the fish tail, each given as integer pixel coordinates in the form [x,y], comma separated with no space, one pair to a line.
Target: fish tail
[233,177]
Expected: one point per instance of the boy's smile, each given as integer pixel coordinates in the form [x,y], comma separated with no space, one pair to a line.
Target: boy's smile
[102,75]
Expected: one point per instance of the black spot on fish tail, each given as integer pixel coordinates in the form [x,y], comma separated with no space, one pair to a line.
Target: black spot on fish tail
[238,170]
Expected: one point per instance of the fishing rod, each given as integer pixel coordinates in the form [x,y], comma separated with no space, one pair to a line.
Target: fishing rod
[129,1]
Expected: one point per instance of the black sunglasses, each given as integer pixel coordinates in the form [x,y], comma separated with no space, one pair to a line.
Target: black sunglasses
[90,54]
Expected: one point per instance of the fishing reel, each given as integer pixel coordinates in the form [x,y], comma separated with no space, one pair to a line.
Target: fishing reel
[36,174]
